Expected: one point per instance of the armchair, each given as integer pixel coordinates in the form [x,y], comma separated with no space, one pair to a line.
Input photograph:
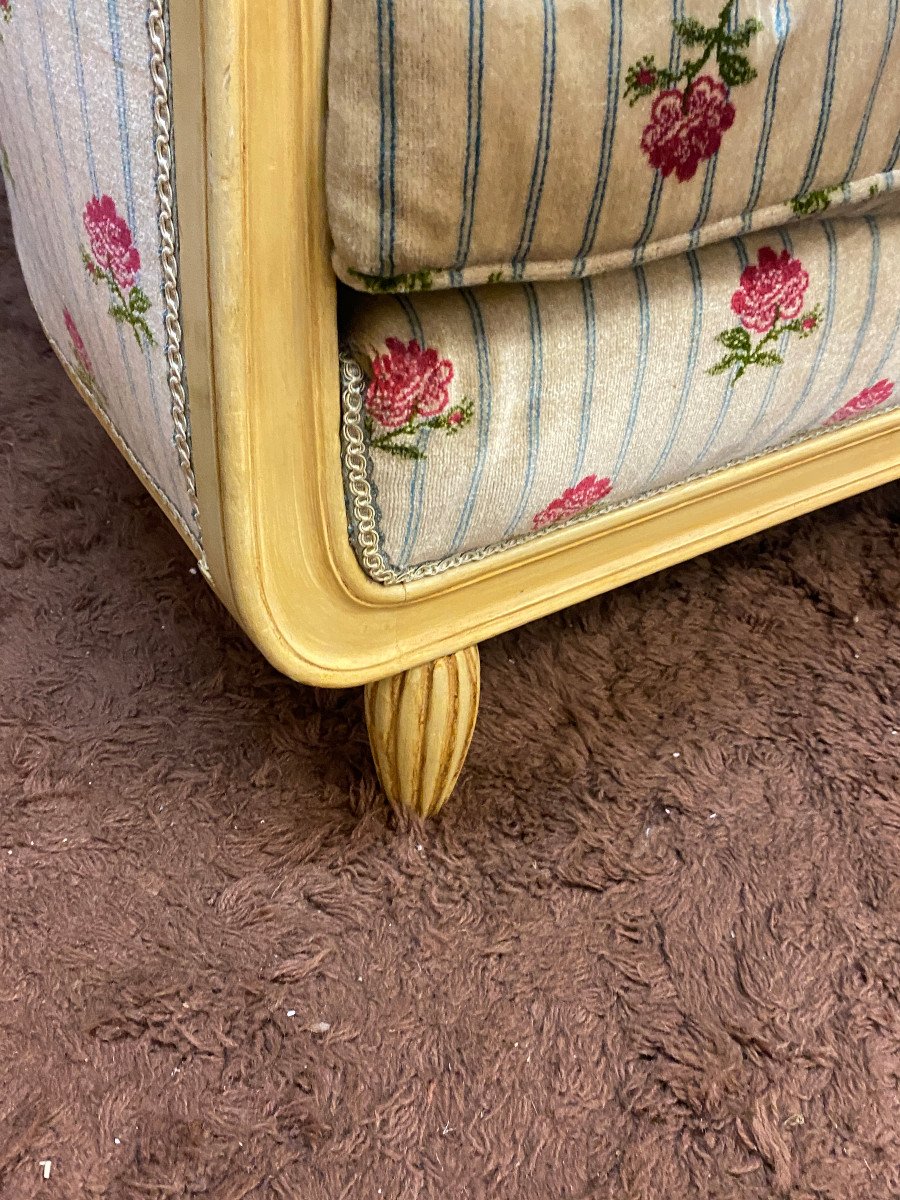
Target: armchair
[423,321]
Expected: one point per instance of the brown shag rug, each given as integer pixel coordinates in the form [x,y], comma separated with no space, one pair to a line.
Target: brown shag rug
[650,951]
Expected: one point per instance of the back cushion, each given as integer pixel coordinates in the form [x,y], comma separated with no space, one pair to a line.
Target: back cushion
[543,139]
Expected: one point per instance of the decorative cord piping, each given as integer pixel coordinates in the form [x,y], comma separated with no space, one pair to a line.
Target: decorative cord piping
[356,464]
[156,26]
[364,522]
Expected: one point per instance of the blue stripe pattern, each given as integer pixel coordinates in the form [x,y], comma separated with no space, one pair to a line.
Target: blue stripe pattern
[876,83]
[483,409]
[590,366]
[542,145]
[40,190]
[82,95]
[420,466]
[115,33]
[691,366]
[710,176]
[838,397]
[638,383]
[886,353]
[388,136]
[705,201]
[824,335]
[474,100]
[535,387]
[743,260]
[815,154]
[67,183]
[658,180]
[609,132]
[781,29]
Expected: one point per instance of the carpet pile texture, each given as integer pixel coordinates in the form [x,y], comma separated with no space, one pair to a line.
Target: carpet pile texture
[649,951]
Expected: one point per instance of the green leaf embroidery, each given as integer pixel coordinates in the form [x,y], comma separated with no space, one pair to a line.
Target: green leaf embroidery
[400,449]
[644,78]
[812,202]
[735,339]
[744,34]
[724,364]
[137,301]
[415,281]
[125,310]
[742,354]
[766,358]
[735,69]
[691,31]
[450,422]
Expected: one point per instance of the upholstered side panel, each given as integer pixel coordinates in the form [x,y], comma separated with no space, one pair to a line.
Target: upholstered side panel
[491,414]
[80,164]
[545,139]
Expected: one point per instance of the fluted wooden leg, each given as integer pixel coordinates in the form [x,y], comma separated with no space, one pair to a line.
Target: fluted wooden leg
[420,726]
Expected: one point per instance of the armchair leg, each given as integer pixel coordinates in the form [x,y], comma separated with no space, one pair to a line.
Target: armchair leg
[420,726]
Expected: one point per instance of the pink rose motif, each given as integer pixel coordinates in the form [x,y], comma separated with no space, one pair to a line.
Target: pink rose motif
[111,242]
[771,291]
[577,499]
[81,354]
[686,129]
[408,382]
[113,259]
[869,397]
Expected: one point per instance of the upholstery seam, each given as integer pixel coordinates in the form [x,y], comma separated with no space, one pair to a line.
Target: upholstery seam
[859,201]
[97,402]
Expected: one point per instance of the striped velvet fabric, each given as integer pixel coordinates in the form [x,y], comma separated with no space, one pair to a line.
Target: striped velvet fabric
[495,412]
[550,139]
[79,163]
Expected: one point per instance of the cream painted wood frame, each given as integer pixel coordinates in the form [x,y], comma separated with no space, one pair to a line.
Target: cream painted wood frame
[259,314]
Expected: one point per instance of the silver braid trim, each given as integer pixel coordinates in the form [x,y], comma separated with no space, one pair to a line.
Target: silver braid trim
[356,473]
[156,27]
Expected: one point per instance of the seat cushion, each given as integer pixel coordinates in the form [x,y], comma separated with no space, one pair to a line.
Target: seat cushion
[546,139]
[494,413]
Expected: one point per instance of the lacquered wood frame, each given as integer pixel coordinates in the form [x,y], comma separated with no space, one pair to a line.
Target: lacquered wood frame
[259,313]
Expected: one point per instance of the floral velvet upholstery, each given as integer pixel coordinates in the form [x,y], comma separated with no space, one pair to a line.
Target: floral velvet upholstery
[494,413]
[550,139]
[78,149]
[681,217]
[595,248]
